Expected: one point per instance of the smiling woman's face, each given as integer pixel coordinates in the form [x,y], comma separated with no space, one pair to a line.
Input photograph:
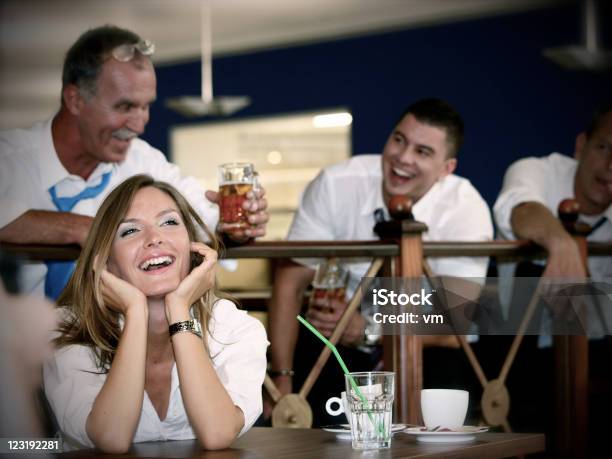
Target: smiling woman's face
[151,249]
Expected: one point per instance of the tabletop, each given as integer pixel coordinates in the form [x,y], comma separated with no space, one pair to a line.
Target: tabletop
[265,442]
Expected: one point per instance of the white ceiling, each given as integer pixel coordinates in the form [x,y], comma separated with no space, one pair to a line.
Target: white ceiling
[35,34]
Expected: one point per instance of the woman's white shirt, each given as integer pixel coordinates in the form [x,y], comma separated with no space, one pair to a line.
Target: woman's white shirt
[237,345]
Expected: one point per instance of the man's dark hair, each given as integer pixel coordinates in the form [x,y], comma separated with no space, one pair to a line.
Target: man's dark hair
[85,57]
[598,115]
[439,113]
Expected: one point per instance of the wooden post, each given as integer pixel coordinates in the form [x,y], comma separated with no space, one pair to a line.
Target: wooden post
[409,361]
[572,361]
[572,389]
[389,270]
[407,354]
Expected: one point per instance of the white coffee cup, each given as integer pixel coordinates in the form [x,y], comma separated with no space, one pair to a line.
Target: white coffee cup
[444,408]
[342,405]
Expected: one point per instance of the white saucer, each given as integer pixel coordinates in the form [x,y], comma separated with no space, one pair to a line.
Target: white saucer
[343,431]
[462,435]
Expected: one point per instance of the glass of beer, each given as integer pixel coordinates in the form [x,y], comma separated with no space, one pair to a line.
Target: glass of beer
[235,181]
[329,283]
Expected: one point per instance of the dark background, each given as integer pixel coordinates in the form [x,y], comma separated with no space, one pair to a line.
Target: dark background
[514,101]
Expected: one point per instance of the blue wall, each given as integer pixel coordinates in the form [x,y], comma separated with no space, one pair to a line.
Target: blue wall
[514,101]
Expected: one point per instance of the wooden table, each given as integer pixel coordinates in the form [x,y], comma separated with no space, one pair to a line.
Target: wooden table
[273,443]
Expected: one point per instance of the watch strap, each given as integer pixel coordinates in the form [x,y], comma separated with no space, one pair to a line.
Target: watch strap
[192,326]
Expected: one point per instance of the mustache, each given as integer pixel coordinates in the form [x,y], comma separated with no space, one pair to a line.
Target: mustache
[124,134]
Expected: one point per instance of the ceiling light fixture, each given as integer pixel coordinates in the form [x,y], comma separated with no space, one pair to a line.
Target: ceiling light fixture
[332,120]
[589,56]
[207,105]
[274,157]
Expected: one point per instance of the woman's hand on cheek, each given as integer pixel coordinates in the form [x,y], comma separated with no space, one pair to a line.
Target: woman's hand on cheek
[120,295]
[196,283]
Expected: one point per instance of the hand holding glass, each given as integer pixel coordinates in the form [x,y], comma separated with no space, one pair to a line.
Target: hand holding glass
[235,182]
[329,284]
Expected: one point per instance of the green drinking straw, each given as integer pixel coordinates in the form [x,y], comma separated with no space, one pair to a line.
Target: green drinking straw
[344,368]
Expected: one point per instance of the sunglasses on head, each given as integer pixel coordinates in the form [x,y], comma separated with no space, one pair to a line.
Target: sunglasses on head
[126,52]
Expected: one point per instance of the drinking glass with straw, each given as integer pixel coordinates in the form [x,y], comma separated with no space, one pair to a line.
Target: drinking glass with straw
[377,434]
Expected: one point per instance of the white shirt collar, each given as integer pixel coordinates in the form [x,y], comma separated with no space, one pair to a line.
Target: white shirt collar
[52,171]
[374,201]
[427,204]
[421,209]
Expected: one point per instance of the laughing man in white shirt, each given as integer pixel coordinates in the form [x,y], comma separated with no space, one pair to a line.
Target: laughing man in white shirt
[418,162]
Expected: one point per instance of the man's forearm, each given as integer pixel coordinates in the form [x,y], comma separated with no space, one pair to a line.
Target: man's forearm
[289,284]
[283,329]
[533,221]
[47,227]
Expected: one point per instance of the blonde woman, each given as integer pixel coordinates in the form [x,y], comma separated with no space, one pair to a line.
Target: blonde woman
[148,349]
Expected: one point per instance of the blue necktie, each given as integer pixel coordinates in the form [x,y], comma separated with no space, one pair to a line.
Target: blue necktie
[59,272]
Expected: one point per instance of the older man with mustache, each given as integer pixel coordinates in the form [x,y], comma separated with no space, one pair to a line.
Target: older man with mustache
[55,174]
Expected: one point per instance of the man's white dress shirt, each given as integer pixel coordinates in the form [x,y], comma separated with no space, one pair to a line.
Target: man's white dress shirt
[339,205]
[29,166]
[547,180]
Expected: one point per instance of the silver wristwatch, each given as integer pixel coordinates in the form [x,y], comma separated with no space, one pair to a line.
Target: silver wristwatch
[192,326]
[371,334]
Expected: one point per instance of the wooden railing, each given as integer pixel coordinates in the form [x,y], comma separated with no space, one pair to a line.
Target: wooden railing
[313,249]
[402,354]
